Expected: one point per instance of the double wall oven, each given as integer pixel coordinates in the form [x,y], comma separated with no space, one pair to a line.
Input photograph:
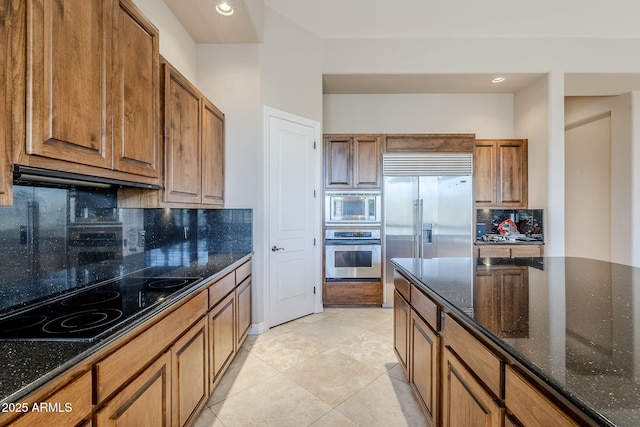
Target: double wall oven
[353,250]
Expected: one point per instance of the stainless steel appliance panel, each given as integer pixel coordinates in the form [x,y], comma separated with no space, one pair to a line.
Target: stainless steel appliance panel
[352,254]
[426,217]
[353,207]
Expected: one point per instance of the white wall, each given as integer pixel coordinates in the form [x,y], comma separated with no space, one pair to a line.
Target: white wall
[531,118]
[283,72]
[486,115]
[588,189]
[176,45]
[291,66]
[618,231]
[480,55]
[230,77]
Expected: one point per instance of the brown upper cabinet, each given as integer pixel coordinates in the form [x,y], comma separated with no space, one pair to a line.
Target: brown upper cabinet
[500,173]
[352,161]
[6,195]
[194,143]
[429,143]
[84,86]
[193,133]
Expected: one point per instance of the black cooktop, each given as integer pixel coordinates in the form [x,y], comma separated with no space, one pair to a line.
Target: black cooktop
[91,313]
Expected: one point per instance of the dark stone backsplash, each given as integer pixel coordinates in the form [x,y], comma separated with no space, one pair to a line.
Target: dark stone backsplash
[56,239]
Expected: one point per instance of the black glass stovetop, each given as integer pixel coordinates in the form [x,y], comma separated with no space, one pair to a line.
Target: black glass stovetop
[93,312]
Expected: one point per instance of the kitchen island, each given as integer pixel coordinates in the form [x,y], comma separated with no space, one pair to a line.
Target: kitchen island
[546,341]
[34,368]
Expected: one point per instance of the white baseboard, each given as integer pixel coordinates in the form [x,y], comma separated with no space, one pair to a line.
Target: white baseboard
[258,328]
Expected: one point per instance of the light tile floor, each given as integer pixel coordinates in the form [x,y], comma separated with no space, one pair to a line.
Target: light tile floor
[335,368]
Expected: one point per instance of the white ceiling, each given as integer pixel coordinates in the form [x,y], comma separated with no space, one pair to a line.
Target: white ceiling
[462,18]
[429,19]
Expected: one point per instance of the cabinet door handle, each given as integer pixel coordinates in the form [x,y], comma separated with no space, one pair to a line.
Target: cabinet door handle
[276,249]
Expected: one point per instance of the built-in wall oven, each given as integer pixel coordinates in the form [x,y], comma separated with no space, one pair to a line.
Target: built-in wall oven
[352,254]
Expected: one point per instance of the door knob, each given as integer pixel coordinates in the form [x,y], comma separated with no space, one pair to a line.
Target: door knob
[276,249]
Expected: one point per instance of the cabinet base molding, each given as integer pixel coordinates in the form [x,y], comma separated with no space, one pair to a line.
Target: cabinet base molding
[353,293]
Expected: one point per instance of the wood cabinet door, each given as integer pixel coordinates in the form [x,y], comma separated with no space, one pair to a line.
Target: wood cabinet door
[464,400]
[146,401]
[366,162]
[189,367]
[337,162]
[500,173]
[136,92]
[424,371]
[484,173]
[401,314]
[73,399]
[68,70]
[530,406]
[212,155]
[6,190]
[222,343]
[243,309]
[182,138]
[512,173]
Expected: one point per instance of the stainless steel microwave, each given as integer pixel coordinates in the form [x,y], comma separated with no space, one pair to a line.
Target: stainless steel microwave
[357,207]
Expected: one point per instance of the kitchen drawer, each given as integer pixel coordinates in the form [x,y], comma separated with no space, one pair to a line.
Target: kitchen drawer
[402,285]
[509,251]
[243,272]
[117,368]
[480,360]
[221,288]
[526,251]
[530,407]
[494,252]
[425,307]
[73,404]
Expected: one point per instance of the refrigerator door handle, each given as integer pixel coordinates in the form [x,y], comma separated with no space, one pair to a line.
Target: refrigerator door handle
[420,230]
[416,219]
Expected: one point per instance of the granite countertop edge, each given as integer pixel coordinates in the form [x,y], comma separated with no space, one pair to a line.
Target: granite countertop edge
[586,408]
[30,353]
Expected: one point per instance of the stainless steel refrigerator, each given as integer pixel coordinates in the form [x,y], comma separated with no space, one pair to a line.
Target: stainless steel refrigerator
[428,208]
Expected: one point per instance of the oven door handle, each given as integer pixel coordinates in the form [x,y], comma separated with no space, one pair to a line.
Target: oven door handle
[346,242]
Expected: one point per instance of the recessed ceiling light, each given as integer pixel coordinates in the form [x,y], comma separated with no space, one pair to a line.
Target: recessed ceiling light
[498,79]
[224,8]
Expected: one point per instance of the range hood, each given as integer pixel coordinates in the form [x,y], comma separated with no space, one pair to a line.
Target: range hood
[38,176]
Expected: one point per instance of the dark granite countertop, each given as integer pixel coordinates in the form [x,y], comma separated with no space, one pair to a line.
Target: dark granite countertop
[27,365]
[575,323]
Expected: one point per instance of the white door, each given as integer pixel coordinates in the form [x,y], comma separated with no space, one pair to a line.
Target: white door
[294,251]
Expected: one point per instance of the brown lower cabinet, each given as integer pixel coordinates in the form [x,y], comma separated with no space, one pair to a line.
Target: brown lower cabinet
[424,366]
[160,374]
[221,338]
[460,379]
[401,313]
[144,401]
[189,367]
[74,394]
[465,401]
